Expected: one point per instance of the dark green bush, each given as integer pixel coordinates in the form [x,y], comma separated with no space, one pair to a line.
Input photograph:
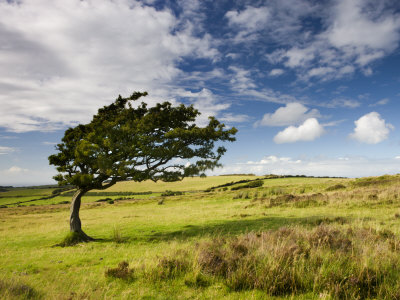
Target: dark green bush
[104,200]
[252,184]
[168,193]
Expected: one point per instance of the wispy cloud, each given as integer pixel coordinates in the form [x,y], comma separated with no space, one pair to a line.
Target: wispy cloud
[8,137]
[353,39]
[342,102]
[383,101]
[241,79]
[232,118]
[6,150]
[248,21]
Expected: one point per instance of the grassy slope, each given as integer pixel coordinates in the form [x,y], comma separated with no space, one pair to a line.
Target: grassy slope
[141,232]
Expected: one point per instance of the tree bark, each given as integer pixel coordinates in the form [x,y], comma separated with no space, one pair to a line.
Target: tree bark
[74,220]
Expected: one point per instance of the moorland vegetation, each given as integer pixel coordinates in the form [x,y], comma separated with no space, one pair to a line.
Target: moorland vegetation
[298,238]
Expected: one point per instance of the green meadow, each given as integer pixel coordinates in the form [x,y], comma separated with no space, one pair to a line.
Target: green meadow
[290,238]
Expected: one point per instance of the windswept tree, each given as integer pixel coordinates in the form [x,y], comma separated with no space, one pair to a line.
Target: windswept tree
[136,142]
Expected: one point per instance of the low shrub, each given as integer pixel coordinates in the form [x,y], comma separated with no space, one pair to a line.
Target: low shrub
[212,258]
[104,200]
[291,260]
[374,181]
[325,236]
[335,187]
[122,271]
[124,198]
[251,184]
[169,267]
[168,193]
[299,201]
[18,290]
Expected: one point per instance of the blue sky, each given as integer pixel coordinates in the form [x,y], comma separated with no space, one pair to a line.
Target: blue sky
[312,86]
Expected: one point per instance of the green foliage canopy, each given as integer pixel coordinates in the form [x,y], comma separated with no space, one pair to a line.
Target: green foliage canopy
[136,142]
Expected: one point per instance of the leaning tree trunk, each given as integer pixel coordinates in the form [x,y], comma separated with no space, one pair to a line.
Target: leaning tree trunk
[74,220]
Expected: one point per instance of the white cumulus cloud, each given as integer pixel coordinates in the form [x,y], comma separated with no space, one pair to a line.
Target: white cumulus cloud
[61,60]
[292,114]
[371,129]
[308,131]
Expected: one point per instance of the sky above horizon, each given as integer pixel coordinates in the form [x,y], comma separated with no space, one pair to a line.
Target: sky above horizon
[312,86]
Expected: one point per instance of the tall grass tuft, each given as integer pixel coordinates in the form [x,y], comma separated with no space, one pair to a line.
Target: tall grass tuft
[169,267]
[117,236]
[352,263]
[122,271]
[17,290]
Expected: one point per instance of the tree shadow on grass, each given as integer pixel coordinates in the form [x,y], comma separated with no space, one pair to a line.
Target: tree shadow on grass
[235,227]
[232,227]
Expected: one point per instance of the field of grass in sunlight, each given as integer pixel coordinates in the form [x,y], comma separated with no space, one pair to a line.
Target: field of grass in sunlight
[301,238]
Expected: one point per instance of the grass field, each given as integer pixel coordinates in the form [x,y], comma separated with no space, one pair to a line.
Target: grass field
[292,238]
[25,196]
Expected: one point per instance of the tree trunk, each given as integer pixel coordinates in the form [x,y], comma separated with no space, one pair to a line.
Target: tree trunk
[74,220]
